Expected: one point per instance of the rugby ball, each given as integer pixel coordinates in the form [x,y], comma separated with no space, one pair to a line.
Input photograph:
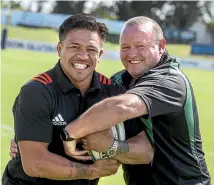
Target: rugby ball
[118,132]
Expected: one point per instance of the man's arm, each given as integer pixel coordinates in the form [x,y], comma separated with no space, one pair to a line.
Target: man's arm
[140,150]
[136,150]
[106,114]
[153,96]
[37,161]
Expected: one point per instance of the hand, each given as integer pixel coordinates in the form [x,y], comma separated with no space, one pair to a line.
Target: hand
[103,167]
[13,149]
[99,141]
[72,151]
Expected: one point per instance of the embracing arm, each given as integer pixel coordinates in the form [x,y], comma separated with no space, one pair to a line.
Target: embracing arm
[153,96]
[37,161]
[106,114]
[140,150]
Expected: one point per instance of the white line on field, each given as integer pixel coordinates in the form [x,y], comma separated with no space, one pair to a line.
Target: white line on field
[3,134]
[6,127]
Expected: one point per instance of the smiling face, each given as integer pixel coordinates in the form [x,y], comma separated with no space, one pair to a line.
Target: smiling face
[139,52]
[79,53]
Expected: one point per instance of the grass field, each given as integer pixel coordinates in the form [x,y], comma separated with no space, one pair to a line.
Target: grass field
[20,66]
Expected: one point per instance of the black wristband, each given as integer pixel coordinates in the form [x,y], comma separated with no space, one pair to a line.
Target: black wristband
[65,136]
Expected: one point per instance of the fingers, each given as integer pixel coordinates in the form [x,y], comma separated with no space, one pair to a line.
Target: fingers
[80,155]
[111,161]
[13,149]
[108,161]
[12,155]
[13,143]
[72,151]
[85,144]
[84,141]
[80,152]
[70,145]
[82,158]
[85,147]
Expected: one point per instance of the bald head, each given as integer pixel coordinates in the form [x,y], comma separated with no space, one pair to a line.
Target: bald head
[149,23]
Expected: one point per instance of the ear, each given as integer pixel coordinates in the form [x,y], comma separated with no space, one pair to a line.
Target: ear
[162,46]
[101,52]
[59,48]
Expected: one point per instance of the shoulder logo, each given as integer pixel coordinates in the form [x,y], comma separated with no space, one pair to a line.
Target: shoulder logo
[104,79]
[58,120]
[43,78]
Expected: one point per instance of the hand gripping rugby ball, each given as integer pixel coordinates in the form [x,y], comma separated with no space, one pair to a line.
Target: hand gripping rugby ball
[118,132]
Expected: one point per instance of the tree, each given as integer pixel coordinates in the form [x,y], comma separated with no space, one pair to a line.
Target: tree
[101,10]
[13,5]
[208,5]
[185,13]
[69,7]
[124,10]
[178,14]
[146,8]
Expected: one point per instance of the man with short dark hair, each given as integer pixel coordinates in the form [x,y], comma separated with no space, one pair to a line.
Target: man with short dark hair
[52,99]
[163,98]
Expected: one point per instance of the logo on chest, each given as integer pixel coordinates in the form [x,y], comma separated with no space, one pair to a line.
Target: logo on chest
[58,120]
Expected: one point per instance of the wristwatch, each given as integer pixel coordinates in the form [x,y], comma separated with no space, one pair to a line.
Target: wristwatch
[112,151]
[65,136]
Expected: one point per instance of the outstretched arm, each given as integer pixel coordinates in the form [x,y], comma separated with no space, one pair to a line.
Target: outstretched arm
[106,114]
[153,96]
[37,161]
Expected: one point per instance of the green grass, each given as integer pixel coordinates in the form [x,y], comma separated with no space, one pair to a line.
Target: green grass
[51,36]
[20,66]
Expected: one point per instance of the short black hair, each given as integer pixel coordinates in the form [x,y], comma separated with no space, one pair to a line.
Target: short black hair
[82,21]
